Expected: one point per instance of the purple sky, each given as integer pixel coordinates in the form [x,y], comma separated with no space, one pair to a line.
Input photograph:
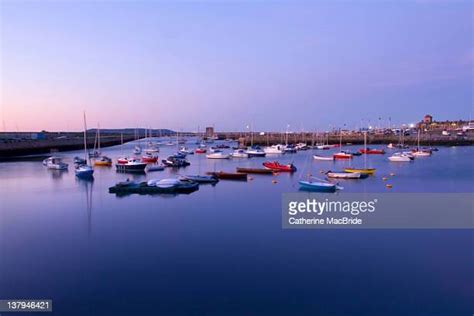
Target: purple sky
[313,64]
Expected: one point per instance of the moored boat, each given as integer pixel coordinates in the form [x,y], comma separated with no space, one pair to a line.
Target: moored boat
[343,175]
[55,163]
[342,155]
[370,151]
[254,170]
[276,166]
[400,157]
[323,158]
[239,153]
[175,162]
[274,149]
[130,165]
[164,186]
[155,167]
[255,152]
[229,175]
[218,155]
[362,171]
[201,179]
[103,161]
[318,186]
[200,150]
[149,158]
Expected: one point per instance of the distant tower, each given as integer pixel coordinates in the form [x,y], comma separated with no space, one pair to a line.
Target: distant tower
[427,119]
[209,132]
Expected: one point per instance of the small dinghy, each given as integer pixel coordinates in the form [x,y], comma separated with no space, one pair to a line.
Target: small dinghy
[201,179]
[343,175]
[276,166]
[200,150]
[254,170]
[217,155]
[342,155]
[323,158]
[369,151]
[318,185]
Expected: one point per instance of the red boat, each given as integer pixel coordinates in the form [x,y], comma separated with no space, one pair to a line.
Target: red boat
[276,166]
[149,159]
[122,161]
[200,151]
[369,151]
[342,155]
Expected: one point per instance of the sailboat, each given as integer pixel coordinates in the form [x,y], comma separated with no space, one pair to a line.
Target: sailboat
[318,185]
[364,170]
[418,152]
[341,154]
[84,170]
[102,160]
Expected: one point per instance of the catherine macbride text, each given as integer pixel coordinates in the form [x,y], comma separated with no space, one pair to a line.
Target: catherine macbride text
[323,207]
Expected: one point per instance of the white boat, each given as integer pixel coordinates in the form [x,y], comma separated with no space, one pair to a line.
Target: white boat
[186,151]
[255,152]
[84,170]
[391,145]
[400,157]
[344,175]
[239,153]
[151,150]
[421,153]
[214,150]
[137,150]
[301,146]
[323,158]
[275,149]
[218,155]
[130,165]
[55,163]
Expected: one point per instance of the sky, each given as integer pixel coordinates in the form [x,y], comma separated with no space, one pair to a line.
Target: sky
[312,65]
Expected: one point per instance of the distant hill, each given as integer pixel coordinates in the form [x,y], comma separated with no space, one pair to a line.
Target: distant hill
[132,131]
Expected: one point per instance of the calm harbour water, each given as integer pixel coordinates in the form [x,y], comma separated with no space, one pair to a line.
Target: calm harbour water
[221,249]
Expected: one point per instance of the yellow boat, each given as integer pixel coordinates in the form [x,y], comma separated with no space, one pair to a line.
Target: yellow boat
[103,161]
[363,171]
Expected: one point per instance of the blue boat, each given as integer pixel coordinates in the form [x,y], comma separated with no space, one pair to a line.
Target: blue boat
[318,186]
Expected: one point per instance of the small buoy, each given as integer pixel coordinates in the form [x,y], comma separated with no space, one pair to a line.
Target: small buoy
[392,174]
[250,178]
[384,178]
[389,186]
[274,181]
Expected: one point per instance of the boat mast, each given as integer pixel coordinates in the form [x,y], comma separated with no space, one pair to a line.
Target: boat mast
[365,149]
[85,137]
[98,137]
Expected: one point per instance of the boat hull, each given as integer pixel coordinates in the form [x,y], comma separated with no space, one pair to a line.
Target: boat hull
[317,187]
[362,171]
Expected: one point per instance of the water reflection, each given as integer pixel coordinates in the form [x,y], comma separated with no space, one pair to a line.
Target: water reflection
[87,186]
